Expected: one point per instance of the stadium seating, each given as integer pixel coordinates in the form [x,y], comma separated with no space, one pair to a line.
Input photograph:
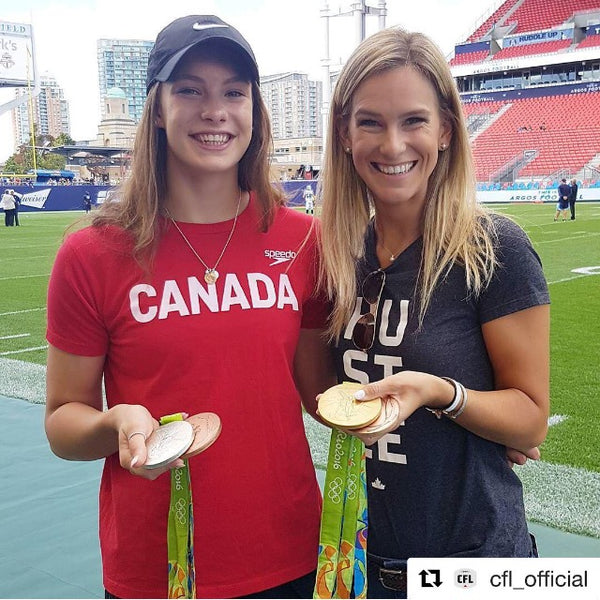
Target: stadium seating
[530,49]
[496,17]
[561,132]
[469,57]
[482,108]
[589,41]
[535,15]
[522,142]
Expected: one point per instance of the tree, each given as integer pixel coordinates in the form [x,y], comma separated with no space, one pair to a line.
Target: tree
[15,164]
[64,139]
[22,161]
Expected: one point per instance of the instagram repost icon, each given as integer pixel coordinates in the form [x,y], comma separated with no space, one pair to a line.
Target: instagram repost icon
[465,578]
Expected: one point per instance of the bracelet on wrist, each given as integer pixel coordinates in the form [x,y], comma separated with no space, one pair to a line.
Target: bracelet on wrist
[463,404]
[458,404]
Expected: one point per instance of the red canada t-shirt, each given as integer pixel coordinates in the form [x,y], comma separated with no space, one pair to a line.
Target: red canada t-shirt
[173,343]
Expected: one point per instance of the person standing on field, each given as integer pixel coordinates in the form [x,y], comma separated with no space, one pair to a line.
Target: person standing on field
[173,299]
[309,200]
[8,204]
[564,194]
[573,197]
[440,309]
[17,198]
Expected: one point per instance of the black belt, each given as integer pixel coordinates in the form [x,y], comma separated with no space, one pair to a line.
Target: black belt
[393,579]
[392,573]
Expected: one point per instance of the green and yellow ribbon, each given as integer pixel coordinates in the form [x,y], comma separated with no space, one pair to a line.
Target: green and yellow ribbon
[180,530]
[342,569]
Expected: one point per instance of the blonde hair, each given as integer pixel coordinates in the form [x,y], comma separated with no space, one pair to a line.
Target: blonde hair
[139,201]
[455,228]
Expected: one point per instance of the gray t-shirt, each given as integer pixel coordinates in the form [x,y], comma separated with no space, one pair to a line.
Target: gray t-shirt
[435,489]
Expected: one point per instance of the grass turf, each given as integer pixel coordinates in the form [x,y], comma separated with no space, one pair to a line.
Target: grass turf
[27,253]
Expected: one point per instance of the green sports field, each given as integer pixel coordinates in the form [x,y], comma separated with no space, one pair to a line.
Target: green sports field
[562,490]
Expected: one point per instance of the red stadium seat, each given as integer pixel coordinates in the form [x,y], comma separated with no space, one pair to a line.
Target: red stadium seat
[535,15]
[530,49]
[563,131]
[467,58]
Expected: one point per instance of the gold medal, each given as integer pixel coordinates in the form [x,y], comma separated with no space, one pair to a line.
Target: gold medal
[207,427]
[339,408]
[211,276]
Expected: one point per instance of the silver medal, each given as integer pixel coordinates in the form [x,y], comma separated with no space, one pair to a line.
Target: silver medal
[168,443]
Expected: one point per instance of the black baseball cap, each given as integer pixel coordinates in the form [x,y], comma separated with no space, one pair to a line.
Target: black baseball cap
[186,32]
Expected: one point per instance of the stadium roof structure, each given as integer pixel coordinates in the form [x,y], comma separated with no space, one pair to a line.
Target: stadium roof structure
[98,156]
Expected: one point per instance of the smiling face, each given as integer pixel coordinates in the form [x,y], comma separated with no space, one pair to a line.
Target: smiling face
[206,111]
[395,132]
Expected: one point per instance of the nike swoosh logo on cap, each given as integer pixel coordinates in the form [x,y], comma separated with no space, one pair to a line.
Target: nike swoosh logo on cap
[200,26]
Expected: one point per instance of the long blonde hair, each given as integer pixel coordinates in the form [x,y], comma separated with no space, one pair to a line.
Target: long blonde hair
[455,228]
[139,200]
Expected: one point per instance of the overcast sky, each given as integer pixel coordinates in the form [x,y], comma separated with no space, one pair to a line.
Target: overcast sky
[286,35]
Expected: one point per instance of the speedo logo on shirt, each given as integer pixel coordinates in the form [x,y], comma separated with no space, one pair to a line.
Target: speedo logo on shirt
[279,256]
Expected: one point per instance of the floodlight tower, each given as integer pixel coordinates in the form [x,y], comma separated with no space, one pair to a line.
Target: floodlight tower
[359,10]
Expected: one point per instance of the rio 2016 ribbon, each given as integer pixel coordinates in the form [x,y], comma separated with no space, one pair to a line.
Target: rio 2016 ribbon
[180,531]
[341,570]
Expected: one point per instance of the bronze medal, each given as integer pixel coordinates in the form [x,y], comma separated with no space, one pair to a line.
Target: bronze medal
[207,427]
[387,420]
[167,443]
[339,408]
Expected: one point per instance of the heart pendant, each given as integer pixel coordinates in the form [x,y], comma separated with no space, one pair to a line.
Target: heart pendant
[211,276]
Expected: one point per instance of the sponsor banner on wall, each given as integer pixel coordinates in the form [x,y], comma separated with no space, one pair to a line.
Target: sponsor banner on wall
[36,199]
[549,195]
[526,39]
[16,55]
[70,197]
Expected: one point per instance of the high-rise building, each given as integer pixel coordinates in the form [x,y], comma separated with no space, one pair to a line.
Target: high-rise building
[123,64]
[294,104]
[50,112]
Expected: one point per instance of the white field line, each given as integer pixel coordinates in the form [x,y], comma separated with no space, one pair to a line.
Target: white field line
[567,239]
[6,259]
[568,278]
[23,350]
[32,246]
[19,312]
[561,497]
[24,277]
[20,379]
[556,419]
[12,337]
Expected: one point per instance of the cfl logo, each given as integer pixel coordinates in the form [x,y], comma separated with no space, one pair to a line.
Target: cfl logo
[465,578]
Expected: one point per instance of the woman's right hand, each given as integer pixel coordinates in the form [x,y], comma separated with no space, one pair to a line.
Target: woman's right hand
[408,390]
[135,426]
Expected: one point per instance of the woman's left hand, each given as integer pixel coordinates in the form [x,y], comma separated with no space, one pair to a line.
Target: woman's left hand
[517,457]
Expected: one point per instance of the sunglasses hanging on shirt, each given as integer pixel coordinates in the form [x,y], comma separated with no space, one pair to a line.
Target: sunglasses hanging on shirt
[363,333]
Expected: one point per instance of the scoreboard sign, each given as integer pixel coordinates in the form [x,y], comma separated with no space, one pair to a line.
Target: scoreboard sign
[16,54]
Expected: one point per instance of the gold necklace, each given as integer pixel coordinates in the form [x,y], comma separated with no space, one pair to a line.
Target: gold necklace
[392,255]
[211,274]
